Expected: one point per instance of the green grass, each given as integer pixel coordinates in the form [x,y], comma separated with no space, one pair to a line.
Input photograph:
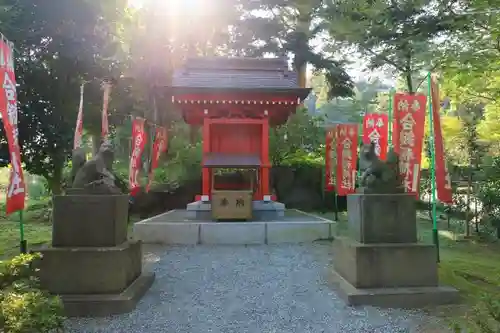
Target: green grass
[34,233]
[37,228]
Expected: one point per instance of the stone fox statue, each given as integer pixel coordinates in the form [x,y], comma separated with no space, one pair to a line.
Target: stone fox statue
[378,176]
[94,176]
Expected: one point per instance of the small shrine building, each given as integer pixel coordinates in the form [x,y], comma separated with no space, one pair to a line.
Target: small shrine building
[236,101]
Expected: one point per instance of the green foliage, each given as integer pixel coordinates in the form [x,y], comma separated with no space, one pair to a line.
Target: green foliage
[368,97]
[301,138]
[392,34]
[24,307]
[288,28]
[489,193]
[58,45]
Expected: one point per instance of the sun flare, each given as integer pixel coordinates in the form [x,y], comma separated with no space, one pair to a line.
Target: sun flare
[174,7]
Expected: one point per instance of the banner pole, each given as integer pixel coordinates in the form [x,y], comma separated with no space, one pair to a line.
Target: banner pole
[435,233]
[360,142]
[389,125]
[336,207]
[22,243]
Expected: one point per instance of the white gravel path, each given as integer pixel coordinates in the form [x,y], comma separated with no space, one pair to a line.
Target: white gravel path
[254,289]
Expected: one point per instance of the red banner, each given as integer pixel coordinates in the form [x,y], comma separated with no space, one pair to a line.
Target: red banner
[138,144]
[409,122]
[443,181]
[79,123]
[8,107]
[375,129]
[347,153]
[159,146]
[105,103]
[330,157]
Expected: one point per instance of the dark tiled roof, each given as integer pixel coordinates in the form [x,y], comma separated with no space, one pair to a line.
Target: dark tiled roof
[216,160]
[240,73]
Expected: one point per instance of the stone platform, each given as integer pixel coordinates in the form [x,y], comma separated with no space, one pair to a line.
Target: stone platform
[262,210]
[179,227]
[403,297]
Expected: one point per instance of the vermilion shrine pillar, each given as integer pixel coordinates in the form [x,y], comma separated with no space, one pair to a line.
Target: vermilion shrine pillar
[206,174]
[266,165]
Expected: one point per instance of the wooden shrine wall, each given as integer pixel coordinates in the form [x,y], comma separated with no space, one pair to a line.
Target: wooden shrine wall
[236,139]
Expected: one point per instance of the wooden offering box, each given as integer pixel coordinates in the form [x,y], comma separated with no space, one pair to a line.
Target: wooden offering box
[227,205]
[232,194]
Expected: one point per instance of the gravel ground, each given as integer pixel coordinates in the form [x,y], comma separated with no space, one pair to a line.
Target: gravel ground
[254,289]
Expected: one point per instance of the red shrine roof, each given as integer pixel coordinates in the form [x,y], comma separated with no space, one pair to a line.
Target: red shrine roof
[226,75]
[220,87]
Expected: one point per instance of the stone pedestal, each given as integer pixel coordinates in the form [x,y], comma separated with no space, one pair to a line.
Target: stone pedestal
[91,265]
[380,263]
[77,218]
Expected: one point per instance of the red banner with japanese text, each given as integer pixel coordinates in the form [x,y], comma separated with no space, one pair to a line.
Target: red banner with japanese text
[347,153]
[77,141]
[159,146]
[408,137]
[330,159]
[376,130]
[443,181]
[138,144]
[16,190]
[105,103]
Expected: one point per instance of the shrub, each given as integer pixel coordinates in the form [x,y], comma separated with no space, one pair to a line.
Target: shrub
[24,307]
[489,195]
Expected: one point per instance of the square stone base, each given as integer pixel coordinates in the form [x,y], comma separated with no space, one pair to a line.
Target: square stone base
[382,218]
[85,270]
[411,297]
[99,281]
[89,220]
[385,265]
[102,305]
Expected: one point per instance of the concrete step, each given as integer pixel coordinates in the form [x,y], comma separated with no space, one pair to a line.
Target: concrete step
[162,231]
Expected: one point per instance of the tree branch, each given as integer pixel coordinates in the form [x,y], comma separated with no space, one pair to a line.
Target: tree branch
[384,58]
[489,98]
[430,70]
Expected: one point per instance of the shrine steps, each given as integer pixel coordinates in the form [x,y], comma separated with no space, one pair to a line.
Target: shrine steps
[176,228]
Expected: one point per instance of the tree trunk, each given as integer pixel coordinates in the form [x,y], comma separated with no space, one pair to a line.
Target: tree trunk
[193,134]
[448,217]
[55,183]
[96,143]
[409,83]
[302,75]
[476,216]
[467,215]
